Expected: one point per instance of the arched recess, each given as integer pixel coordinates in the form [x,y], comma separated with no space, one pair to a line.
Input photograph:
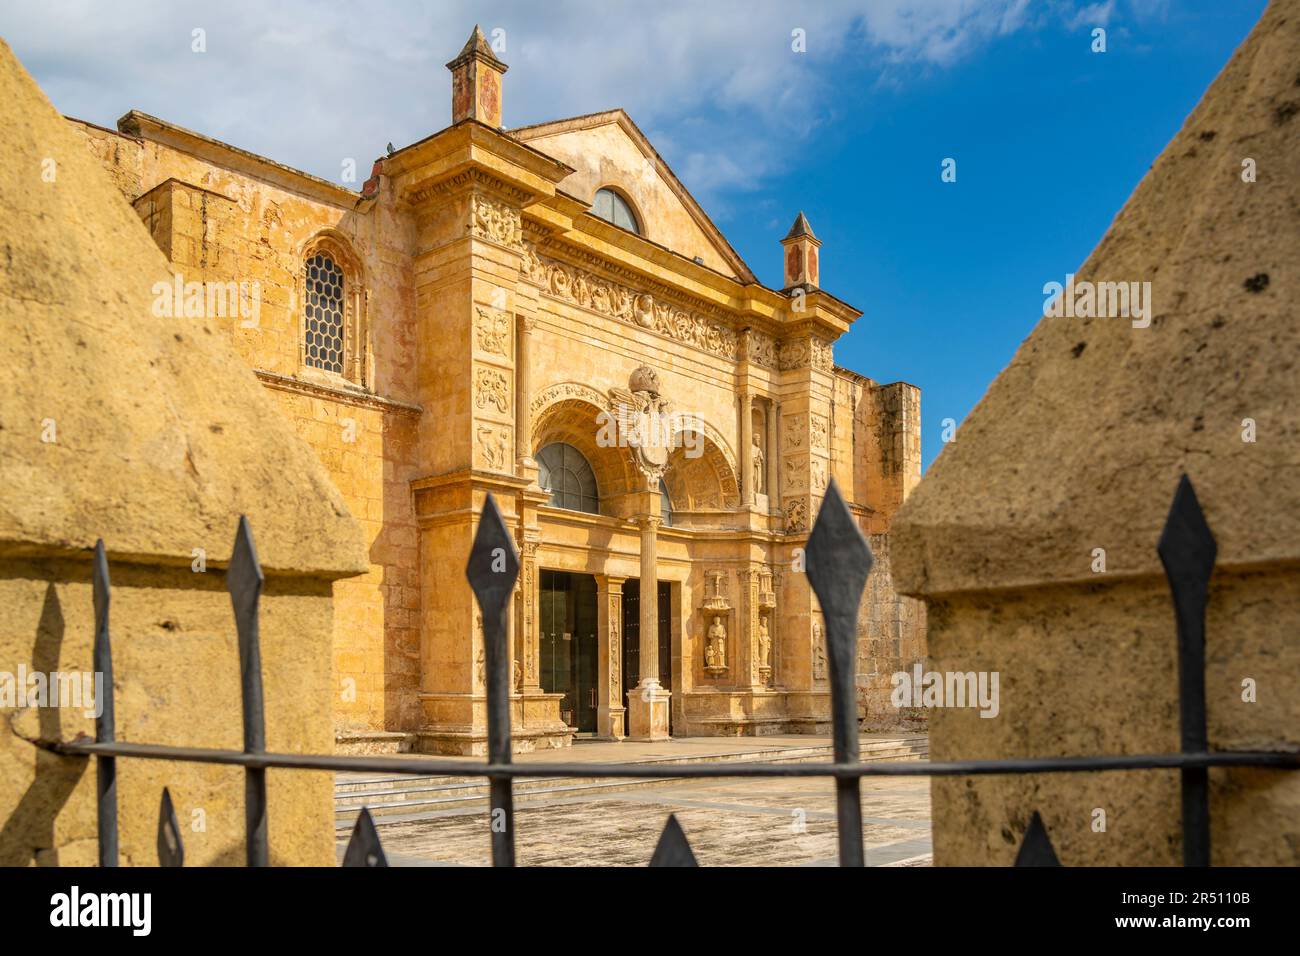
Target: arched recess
[356,330]
[700,477]
[576,420]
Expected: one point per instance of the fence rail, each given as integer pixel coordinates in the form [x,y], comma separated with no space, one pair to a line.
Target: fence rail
[838,561]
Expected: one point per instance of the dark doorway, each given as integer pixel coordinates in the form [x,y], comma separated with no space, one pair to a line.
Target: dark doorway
[632,638]
[569,651]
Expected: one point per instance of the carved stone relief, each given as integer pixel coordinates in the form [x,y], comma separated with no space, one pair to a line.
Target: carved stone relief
[796,515]
[492,329]
[491,388]
[490,219]
[494,446]
[591,291]
[817,431]
[793,429]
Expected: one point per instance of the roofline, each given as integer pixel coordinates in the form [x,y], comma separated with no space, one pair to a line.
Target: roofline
[142,126]
[694,209]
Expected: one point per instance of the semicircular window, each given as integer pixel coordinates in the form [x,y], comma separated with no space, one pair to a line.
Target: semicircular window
[612,207]
[567,475]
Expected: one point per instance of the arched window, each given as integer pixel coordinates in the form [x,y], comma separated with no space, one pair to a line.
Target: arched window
[612,207]
[323,320]
[665,504]
[335,336]
[565,473]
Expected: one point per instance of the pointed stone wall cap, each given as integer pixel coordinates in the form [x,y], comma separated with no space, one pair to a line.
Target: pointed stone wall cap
[800,229]
[144,429]
[1079,444]
[477,46]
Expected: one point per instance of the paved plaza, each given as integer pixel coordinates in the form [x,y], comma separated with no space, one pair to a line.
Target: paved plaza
[729,822]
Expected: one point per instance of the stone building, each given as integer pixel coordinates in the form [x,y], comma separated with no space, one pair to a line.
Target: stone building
[547,315]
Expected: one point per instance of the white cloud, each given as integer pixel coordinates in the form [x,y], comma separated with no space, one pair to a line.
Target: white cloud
[310,84]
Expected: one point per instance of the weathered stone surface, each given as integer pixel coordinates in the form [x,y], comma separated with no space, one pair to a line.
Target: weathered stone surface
[1079,445]
[149,432]
[163,437]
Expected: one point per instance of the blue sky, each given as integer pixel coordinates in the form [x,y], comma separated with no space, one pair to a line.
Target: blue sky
[1049,137]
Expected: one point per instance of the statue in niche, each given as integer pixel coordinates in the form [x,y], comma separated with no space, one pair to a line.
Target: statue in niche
[757,453]
[764,647]
[715,647]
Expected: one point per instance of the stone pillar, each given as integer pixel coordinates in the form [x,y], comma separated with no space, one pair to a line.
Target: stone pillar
[527,633]
[647,710]
[773,456]
[609,611]
[523,390]
[747,488]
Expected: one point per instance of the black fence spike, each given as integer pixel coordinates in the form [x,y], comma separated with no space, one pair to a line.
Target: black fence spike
[364,848]
[106,722]
[1036,849]
[1188,551]
[492,571]
[244,581]
[673,849]
[171,851]
[838,562]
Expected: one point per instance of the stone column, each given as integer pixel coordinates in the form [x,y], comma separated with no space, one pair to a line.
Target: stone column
[647,710]
[610,710]
[523,388]
[527,629]
[773,456]
[746,456]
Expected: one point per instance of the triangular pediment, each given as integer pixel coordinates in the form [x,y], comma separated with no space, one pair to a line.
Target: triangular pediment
[608,150]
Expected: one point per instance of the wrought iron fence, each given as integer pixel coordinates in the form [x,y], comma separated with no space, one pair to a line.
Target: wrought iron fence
[838,561]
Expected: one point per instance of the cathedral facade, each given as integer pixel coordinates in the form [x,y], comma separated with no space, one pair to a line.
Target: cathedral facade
[547,315]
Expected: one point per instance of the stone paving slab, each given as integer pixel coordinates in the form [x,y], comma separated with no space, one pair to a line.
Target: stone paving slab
[779,822]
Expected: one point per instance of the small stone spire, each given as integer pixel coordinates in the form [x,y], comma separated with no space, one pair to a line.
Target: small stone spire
[802,266]
[476,82]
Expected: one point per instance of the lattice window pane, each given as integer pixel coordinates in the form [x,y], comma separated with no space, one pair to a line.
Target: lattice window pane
[323,320]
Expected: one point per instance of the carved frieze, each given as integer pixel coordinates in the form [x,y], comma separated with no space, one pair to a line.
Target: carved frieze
[494,220]
[822,358]
[648,311]
[793,355]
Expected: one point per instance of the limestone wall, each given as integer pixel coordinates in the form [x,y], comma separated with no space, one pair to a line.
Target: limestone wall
[219,225]
[176,663]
